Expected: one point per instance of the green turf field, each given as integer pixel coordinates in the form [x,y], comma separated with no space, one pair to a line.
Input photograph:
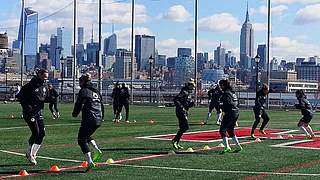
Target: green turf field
[119,142]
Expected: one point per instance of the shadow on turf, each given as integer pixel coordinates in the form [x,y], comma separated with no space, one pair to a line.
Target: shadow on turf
[127,149]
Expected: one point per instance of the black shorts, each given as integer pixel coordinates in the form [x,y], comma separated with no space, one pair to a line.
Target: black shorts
[306,118]
[228,122]
[214,105]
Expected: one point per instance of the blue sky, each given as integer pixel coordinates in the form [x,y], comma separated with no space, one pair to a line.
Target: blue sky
[295,23]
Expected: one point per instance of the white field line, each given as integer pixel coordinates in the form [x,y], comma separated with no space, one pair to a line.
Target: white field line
[290,145]
[213,170]
[209,141]
[50,125]
[41,157]
[286,132]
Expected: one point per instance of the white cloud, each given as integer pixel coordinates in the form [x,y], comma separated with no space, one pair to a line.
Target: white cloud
[177,13]
[223,22]
[295,1]
[292,48]
[275,10]
[124,36]
[308,14]
[260,27]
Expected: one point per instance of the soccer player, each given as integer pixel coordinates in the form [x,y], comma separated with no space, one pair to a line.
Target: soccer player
[32,97]
[89,101]
[306,111]
[183,102]
[124,101]
[115,96]
[259,111]
[229,105]
[53,98]
[214,95]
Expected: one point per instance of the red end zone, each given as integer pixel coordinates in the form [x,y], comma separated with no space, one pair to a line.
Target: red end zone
[214,135]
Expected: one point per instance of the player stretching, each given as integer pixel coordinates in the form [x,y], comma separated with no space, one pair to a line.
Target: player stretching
[183,102]
[32,97]
[259,111]
[214,95]
[306,111]
[89,101]
[229,105]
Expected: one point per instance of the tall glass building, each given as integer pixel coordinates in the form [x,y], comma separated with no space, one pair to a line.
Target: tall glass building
[30,31]
[246,43]
[110,45]
[144,48]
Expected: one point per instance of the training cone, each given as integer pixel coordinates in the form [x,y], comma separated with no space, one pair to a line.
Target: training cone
[220,145]
[151,121]
[279,137]
[190,150]
[110,161]
[206,147]
[55,168]
[257,140]
[84,164]
[23,173]
[290,136]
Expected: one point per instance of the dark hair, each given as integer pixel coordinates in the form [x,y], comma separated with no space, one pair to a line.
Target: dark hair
[85,77]
[265,86]
[300,93]
[41,72]
[226,84]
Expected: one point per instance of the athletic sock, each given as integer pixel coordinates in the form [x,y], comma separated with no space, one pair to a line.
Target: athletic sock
[304,130]
[309,129]
[34,149]
[88,157]
[208,116]
[235,140]
[29,149]
[219,117]
[225,142]
[94,145]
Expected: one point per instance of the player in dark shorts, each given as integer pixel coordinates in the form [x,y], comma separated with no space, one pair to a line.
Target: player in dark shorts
[32,97]
[183,103]
[115,103]
[53,102]
[214,95]
[229,105]
[124,101]
[89,101]
[306,111]
[259,110]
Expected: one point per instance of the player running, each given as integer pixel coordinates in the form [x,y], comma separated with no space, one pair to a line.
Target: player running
[259,111]
[214,95]
[53,98]
[229,105]
[183,102]
[124,101]
[89,101]
[306,111]
[32,97]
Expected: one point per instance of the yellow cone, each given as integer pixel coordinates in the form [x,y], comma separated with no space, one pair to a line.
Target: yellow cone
[290,136]
[220,145]
[206,147]
[110,161]
[257,140]
[190,150]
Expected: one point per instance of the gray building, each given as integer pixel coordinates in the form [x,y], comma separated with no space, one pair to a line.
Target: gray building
[55,52]
[308,71]
[92,52]
[80,35]
[144,48]
[171,62]
[184,66]
[122,66]
[161,61]
[262,52]
[110,45]
[219,56]
[184,52]
[213,75]
[246,43]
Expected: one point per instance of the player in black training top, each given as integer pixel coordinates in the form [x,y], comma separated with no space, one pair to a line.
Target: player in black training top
[32,97]
[259,110]
[115,103]
[214,95]
[183,102]
[89,101]
[124,101]
[53,98]
[229,105]
[306,111]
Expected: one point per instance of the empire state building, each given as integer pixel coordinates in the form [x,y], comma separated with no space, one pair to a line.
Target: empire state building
[246,43]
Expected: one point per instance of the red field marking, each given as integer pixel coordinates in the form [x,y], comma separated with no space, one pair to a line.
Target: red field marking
[313,144]
[213,135]
[283,170]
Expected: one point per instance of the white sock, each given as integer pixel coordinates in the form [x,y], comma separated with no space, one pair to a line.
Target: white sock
[94,145]
[225,142]
[29,149]
[208,116]
[88,157]
[304,130]
[236,141]
[309,129]
[219,117]
[34,149]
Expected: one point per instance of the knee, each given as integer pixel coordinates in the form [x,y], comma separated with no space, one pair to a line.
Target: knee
[231,133]
[81,141]
[223,133]
[300,123]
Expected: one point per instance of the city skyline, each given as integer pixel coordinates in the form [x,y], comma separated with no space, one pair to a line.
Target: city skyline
[294,24]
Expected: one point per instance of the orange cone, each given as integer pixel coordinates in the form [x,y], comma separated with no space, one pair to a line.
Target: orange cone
[55,168]
[84,164]
[23,173]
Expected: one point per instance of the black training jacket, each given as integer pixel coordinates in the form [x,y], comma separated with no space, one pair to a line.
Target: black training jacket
[53,94]
[115,94]
[260,100]
[124,95]
[33,95]
[214,95]
[229,103]
[305,106]
[183,100]
[89,101]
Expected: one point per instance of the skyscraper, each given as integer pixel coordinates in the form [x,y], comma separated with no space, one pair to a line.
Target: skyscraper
[144,48]
[262,52]
[30,31]
[220,56]
[55,52]
[80,35]
[184,52]
[246,43]
[110,45]
[184,66]
[59,37]
[122,69]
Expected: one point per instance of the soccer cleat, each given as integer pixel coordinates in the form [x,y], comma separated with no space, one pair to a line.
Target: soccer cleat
[120,117]
[31,159]
[218,123]
[238,149]
[237,124]
[252,136]
[58,115]
[262,132]
[226,150]
[175,144]
[309,137]
[90,166]
[180,147]
[96,156]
